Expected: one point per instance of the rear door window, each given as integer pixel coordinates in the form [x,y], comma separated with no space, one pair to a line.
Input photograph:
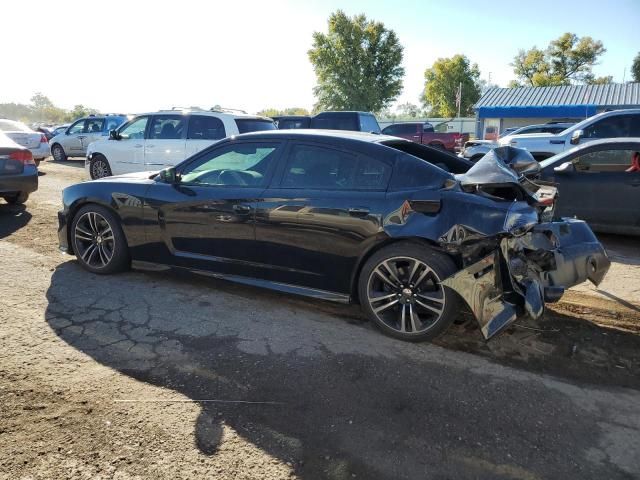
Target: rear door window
[203,127]
[321,168]
[246,125]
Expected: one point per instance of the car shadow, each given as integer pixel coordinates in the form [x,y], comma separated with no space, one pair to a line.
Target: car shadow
[335,399]
[76,163]
[12,218]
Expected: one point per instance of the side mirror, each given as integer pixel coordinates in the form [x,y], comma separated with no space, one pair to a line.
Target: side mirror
[168,175]
[565,167]
[114,135]
[577,135]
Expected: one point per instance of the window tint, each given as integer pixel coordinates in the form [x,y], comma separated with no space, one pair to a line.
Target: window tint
[368,123]
[401,129]
[605,161]
[634,128]
[427,128]
[315,167]
[238,165]
[205,128]
[336,122]
[134,129]
[94,125]
[410,172]
[77,127]
[254,125]
[617,126]
[167,127]
[293,123]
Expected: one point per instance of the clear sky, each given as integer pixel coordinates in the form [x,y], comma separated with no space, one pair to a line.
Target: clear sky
[133,56]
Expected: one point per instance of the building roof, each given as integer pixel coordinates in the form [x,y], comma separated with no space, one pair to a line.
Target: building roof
[610,95]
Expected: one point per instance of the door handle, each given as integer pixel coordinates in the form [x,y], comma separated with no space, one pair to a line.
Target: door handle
[241,209]
[137,145]
[150,146]
[416,136]
[358,211]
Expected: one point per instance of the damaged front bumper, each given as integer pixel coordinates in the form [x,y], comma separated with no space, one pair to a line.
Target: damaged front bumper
[526,271]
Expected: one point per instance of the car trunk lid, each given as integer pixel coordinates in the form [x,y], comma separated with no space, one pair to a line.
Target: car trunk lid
[26,139]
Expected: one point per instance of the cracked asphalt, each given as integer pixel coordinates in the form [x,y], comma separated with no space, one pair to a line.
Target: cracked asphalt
[149,375]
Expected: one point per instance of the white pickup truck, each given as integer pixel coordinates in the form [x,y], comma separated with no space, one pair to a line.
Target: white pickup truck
[613,124]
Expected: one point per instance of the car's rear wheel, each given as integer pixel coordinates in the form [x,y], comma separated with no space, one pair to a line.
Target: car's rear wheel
[99,167]
[58,153]
[98,240]
[400,291]
[17,199]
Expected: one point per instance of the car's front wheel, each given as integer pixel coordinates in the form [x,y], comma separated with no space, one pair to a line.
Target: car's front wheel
[400,291]
[99,167]
[58,153]
[98,240]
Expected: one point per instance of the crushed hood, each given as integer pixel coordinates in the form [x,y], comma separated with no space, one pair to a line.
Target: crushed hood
[494,169]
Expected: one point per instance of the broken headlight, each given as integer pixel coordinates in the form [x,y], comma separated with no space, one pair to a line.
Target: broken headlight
[520,218]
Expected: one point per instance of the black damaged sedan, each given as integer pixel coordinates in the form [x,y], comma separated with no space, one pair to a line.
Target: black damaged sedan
[407,231]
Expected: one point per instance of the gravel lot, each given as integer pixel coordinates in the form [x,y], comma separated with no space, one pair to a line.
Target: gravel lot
[176,376]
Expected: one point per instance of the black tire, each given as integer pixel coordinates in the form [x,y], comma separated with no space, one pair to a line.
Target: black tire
[58,153]
[414,305]
[17,199]
[98,240]
[99,167]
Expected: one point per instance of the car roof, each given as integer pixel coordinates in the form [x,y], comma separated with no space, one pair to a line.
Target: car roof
[333,112]
[212,113]
[310,134]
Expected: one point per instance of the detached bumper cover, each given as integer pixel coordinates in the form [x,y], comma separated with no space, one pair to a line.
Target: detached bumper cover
[516,279]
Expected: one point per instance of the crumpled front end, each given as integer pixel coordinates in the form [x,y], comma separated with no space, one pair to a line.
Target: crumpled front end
[527,270]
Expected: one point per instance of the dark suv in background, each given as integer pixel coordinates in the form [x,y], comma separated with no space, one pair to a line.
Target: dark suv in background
[332,120]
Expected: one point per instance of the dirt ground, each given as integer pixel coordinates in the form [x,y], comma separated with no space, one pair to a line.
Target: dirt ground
[173,376]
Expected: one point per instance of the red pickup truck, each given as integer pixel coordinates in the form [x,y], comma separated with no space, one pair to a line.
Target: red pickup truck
[424,133]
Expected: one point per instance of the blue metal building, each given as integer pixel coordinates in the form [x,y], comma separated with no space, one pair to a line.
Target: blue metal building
[501,108]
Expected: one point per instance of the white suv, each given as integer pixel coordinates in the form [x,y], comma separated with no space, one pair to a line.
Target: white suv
[612,124]
[153,141]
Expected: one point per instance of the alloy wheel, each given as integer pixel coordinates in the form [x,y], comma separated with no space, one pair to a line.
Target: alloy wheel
[99,169]
[58,153]
[94,239]
[405,294]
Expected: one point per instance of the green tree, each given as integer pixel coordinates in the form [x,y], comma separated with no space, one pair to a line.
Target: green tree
[635,68]
[79,111]
[357,64]
[274,112]
[408,110]
[441,86]
[567,60]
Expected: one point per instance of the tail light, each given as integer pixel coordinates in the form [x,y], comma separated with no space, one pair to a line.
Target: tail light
[43,138]
[23,156]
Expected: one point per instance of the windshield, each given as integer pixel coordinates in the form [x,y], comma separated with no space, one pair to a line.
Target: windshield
[11,126]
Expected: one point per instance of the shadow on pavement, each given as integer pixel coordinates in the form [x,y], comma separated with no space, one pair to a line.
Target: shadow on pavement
[12,218]
[336,399]
[621,248]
